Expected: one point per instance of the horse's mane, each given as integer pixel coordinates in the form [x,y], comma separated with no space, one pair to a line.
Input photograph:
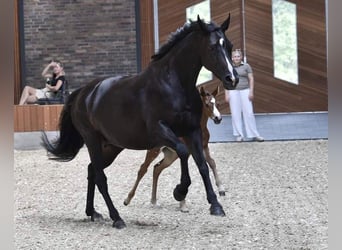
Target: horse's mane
[180,33]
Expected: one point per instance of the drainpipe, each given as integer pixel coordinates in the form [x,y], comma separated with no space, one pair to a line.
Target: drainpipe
[156,25]
[244,32]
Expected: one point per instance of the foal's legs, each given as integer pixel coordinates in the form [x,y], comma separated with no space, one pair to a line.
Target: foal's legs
[169,157]
[212,165]
[150,156]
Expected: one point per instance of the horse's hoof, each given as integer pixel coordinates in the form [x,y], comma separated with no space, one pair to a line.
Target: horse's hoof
[222,193]
[155,204]
[96,216]
[126,202]
[119,224]
[183,207]
[177,195]
[217,210]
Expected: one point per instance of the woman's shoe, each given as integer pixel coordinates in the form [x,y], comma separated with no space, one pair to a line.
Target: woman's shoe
[239,138]
[258,139]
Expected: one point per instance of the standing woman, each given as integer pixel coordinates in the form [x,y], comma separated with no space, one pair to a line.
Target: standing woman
[55,80]
[240,101]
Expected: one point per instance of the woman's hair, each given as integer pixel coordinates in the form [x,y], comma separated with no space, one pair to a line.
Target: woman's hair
[59,63]
[237,51]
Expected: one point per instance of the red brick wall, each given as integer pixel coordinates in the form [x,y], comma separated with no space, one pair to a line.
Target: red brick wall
[91,38]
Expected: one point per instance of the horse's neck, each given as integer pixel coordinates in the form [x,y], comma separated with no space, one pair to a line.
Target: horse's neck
[184,62]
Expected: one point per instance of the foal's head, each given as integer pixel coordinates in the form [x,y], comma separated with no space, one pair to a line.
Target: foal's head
[216,52]
[209,105]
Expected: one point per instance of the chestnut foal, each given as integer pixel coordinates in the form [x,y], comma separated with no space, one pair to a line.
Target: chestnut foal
[209,111]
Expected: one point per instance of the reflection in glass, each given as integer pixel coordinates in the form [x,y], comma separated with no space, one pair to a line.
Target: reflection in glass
[203,10]
[285,40]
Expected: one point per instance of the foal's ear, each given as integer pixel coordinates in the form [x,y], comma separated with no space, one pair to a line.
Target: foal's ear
[202,91]
[215,92]
[225,24]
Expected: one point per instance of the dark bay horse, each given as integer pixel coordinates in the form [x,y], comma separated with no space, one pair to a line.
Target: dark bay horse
[209,111]
[151,109]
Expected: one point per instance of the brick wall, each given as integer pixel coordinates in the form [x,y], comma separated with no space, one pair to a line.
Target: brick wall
[91,38]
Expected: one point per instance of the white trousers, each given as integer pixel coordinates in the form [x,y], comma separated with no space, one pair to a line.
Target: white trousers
[242,107]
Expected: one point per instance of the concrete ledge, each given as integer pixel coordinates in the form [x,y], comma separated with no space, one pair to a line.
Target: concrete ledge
[31,140]
[277,127]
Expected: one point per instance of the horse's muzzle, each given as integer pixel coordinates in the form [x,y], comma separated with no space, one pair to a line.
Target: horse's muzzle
[230,83]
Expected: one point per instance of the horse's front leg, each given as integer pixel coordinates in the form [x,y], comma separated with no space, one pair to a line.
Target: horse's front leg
[194,140]
[169,139]
[181,190]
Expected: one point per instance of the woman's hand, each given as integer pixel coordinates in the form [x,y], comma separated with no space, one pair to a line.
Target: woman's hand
[53,64]
[251,96]
[226,95]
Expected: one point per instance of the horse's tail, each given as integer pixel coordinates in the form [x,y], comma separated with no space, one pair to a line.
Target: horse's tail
[69,142]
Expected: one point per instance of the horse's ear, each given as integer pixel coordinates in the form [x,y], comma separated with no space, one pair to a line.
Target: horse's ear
[225,24]
[201,24]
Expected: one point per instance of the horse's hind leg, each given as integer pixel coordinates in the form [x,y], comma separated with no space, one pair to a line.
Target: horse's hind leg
[98,161]
[150,156]
[109,155]
[212,165]
[90,210]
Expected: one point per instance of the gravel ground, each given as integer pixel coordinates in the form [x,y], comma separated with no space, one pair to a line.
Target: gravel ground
[276,198]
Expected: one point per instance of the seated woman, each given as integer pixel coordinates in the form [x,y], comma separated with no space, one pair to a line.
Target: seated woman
[54,83]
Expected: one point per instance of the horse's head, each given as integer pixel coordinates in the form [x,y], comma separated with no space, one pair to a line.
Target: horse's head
[209,105]
[216,52]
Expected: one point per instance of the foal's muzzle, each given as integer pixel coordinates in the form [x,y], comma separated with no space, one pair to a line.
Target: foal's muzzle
[217,119]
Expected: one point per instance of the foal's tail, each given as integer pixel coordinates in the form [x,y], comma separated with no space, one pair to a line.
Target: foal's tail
[66,147]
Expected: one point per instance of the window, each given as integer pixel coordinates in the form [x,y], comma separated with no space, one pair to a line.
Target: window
[285,41]
[203,10]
